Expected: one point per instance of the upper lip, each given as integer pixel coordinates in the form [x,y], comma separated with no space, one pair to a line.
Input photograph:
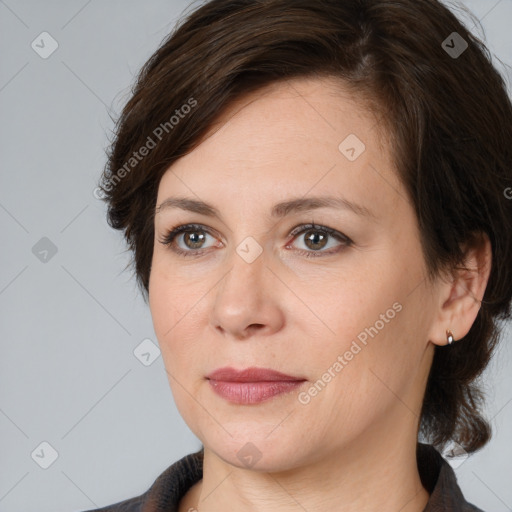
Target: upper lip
[252,374]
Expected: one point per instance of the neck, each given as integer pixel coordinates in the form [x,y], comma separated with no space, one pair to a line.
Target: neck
[377,472]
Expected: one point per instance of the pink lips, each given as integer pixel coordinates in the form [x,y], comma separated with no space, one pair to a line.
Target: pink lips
[252,385]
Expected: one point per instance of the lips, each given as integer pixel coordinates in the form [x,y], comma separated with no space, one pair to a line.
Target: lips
[252,374]
[252,385]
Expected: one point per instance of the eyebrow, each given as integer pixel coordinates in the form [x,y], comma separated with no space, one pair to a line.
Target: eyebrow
[279,210]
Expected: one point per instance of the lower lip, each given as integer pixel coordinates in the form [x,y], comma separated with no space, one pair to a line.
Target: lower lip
[252,392]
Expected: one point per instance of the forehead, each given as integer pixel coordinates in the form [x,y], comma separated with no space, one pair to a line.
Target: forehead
[290,138]
[291,110]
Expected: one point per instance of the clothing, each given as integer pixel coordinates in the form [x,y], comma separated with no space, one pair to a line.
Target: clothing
[437,476]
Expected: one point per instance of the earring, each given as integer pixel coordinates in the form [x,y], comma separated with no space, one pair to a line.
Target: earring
[449,337]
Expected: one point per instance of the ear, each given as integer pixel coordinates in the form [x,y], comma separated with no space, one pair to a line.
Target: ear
[460,296]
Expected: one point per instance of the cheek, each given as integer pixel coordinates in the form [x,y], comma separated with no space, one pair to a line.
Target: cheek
[360,330]
[377,349]
[166,306]
[348,301]
[168,294]
[176,316]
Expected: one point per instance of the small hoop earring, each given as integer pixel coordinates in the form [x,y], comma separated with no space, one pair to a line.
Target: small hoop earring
[449,337]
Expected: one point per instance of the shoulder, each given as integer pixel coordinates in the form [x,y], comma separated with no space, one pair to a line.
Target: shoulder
[439,478]
[166,491]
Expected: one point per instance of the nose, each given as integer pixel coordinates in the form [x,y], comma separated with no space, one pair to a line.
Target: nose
[248,299]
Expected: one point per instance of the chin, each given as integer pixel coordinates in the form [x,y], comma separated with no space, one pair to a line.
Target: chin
[257,453]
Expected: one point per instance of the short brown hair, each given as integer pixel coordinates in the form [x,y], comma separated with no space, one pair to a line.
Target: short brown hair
[449,116]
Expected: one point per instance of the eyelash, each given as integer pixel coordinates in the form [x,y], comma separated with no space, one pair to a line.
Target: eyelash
[169,237]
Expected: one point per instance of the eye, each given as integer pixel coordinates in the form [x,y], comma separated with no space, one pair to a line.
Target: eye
[194,237]
[195,234]
[316,238]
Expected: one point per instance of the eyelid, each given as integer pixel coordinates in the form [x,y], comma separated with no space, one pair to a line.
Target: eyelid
[318,227]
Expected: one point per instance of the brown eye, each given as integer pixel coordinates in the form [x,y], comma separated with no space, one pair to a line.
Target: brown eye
[192,241]
[316,238]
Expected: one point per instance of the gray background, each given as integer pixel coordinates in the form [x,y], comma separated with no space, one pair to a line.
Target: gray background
[69,326]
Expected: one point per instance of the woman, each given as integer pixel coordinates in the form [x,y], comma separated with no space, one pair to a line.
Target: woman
[315,194]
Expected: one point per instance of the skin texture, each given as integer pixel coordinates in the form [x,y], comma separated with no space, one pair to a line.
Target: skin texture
[352,446]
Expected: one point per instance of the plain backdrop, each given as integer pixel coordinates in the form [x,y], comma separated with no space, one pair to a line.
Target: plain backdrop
[74,396]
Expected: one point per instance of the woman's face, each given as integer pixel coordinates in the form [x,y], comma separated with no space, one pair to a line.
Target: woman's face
[254,289]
